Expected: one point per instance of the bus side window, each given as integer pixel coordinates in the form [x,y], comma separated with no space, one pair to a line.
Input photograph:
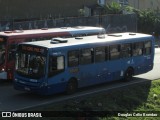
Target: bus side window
[126,50]
[147,48]
[86,56]
[137,48]
[56,65]
[73,58]
[100,54]
[114,52]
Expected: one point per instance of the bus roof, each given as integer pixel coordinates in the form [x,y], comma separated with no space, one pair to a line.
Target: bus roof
[71,30]
[90,39]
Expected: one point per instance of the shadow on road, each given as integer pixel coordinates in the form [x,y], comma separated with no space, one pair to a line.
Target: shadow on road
[113,91]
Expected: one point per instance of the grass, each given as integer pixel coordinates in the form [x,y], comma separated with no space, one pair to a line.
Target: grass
[139,98]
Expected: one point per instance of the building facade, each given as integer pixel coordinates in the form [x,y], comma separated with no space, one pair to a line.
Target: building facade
[139,4]
[145,4]
[26,9]
[33,9]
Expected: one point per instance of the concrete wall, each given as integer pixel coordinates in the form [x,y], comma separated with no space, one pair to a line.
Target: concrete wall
[112,23]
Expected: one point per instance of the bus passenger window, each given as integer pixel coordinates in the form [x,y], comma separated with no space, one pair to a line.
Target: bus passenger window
[114,52]
[126,50]
[73,58]
[138,49]
[147,48]
[56,65]
[86,56]
[100,54]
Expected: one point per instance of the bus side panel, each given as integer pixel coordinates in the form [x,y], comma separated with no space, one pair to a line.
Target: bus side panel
[115,68]
[87,75]
[143,64]
[103,72]
[57,83]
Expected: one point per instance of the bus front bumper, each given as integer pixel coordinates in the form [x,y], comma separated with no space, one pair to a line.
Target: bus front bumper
[42,89]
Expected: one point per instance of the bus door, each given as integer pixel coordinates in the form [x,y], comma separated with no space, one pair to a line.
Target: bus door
[148,58]
[142,54]
[56,73]
[148,53]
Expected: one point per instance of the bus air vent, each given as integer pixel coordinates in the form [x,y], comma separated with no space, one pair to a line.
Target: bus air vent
[132,33]
[7,31]
[17,31]
[101,36]
[44,28]
[78,27]
[63,27]
[79,38]
[115,35]
[58,40]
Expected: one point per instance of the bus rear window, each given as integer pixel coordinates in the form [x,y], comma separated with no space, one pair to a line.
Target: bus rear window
[137,48]
[147,47]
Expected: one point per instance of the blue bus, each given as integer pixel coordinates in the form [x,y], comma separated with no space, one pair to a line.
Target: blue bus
[66,64]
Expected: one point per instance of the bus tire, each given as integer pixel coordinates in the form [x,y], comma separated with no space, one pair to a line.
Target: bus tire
[71,86]
[128,76]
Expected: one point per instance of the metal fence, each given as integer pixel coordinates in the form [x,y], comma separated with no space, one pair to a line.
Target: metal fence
[112,23]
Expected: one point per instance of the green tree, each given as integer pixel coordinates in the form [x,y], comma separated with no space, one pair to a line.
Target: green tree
[113,8]
[147,20]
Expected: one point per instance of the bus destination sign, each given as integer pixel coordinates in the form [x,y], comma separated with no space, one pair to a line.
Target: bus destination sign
[33,49]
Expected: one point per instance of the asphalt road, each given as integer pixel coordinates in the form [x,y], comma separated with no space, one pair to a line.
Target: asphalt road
[12,100]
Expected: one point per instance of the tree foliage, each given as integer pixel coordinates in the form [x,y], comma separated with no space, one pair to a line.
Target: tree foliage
[148,21]
[113,8]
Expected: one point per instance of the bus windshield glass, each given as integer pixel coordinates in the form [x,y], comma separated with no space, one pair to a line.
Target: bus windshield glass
[2,50]
[30,65]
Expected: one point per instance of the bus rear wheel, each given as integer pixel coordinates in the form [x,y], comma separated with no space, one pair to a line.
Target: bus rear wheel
[128,76]
[71,87]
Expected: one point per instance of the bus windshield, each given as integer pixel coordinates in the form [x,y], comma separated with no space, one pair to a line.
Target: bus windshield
[2,50]
[30,65]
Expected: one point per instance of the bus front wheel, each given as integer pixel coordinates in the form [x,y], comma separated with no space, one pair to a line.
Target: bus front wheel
[128,75]
[71,86]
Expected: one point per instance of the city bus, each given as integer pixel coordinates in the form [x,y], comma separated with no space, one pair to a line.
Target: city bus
[66,64]
[10,39]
